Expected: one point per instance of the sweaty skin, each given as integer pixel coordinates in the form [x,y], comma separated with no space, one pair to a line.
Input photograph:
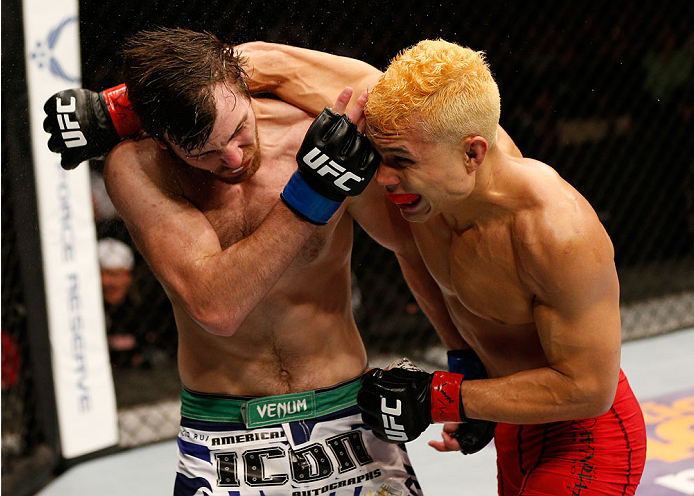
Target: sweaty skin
[523,268]
[527,273]
[261,298]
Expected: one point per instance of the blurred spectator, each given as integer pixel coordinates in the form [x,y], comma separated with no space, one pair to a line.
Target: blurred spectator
[117,262]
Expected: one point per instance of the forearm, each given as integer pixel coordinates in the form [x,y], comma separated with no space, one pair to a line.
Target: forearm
[307,200]
[537,396]
[220,290]
[308,79]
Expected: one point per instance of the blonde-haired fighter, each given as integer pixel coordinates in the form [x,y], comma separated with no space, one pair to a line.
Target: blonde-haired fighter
[527,274]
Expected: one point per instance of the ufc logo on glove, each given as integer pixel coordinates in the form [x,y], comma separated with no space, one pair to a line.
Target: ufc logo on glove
[393,430]
[315,159]
[73,138]
[333,153]
[89,125]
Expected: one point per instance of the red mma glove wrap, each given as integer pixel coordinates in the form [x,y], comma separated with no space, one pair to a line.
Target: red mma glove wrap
[445,397]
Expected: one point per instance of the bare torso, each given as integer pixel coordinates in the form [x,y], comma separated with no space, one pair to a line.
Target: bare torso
[482,271]
[472,277]
[302,334]
[528,278]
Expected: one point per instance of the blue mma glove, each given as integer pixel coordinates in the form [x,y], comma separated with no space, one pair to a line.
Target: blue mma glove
[472,434]
[335,161]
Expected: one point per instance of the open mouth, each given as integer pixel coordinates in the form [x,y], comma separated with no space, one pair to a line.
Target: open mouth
[405,200]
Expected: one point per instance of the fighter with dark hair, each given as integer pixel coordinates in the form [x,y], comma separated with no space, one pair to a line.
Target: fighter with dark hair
[243,208]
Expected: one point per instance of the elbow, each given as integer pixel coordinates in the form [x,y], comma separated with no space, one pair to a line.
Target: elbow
[216,319]
[267,64]
[218,323]
[587,396]
[603,402]
[594,408]
[199,293]
[604,392]
[597,400]
[254,47]
[259,45]
[214,316]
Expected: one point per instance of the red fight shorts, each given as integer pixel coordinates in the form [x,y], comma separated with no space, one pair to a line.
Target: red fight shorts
[598,456]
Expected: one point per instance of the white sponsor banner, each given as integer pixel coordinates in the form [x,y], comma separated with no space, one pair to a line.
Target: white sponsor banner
[85,397]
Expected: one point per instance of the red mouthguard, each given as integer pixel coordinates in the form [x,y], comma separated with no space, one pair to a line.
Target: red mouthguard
[403,198]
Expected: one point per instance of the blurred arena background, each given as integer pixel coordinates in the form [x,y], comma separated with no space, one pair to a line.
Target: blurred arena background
[602,91]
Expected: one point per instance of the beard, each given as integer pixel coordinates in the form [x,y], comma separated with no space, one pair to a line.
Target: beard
[245,175]
[252,168]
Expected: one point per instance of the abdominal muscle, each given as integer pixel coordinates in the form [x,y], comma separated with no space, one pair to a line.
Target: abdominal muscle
[292,341]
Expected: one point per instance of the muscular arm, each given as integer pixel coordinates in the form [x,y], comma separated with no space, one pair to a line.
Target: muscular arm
[430,300]
[576,312]
[383,222]
[308,79]
[217,287]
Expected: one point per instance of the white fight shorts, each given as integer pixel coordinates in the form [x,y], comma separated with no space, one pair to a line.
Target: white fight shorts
[301,444]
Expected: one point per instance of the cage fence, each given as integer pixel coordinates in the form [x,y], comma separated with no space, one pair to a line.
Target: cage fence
[603,92]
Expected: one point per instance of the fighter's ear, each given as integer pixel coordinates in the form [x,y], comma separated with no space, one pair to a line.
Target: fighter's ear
[475,149]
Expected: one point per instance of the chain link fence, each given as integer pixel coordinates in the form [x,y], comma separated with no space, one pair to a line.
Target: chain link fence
[602,91]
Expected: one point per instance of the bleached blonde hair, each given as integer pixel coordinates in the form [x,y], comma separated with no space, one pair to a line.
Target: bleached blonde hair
[448,88]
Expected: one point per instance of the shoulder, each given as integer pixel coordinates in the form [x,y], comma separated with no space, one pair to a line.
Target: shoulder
[130,155]
[138,164]
[559,237]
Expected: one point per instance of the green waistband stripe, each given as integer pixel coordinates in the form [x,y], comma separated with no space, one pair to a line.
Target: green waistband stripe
[268,410]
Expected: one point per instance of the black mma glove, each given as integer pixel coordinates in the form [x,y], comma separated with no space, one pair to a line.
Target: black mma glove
[471,434]
[84,124]
[401,402]
[335,161]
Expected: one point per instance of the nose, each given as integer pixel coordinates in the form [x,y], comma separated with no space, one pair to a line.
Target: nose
[232,155]
[386,176]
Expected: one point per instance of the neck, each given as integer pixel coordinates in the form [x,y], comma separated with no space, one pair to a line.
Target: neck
[485,200]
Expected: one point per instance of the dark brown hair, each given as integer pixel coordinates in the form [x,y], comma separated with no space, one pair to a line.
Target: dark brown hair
[171,75]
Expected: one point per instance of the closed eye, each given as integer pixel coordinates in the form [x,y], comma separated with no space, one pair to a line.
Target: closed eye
[237,131]
[239,128]
[200,155]
[399,162]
